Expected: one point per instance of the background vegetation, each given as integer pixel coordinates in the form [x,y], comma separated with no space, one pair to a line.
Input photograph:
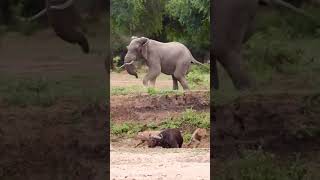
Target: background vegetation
[164,20]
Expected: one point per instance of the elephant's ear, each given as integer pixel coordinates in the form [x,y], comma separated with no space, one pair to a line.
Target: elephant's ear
[144,48]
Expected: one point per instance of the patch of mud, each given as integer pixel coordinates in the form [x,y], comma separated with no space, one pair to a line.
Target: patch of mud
[280,123]
[64,141]
[146,108]
[158,163]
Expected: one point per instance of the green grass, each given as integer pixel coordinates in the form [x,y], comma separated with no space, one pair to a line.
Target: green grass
[188,120]
[143,90]
[258,165]
[128,129]
[42,91]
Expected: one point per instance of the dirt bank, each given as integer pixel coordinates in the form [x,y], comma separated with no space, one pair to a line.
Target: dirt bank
[146,108]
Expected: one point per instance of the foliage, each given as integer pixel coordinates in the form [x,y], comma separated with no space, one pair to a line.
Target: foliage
[136,16]
[165,20]
[188,118]
[199,76]
[193,19]
[126,128]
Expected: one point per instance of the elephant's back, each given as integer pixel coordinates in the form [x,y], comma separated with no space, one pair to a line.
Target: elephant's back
[176,45]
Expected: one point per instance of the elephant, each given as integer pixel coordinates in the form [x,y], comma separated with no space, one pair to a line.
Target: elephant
[233,25]
[65,20]
[171,58]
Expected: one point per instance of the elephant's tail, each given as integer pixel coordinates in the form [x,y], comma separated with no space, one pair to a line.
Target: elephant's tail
[215,80]
[197,62]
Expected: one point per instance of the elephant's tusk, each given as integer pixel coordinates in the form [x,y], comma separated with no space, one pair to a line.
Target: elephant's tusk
[126,64]
[62,6]
[41,13]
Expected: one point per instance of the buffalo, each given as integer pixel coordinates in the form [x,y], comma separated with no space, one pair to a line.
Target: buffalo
[168,138]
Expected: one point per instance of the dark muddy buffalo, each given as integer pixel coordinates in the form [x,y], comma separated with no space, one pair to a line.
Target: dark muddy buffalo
[169,138]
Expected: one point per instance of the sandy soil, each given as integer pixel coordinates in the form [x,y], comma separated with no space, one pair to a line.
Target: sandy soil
[158,163]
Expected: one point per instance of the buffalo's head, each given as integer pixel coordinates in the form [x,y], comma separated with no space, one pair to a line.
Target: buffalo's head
[155,140]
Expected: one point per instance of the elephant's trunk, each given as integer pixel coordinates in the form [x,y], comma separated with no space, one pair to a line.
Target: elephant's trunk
[131,69]
[128,64]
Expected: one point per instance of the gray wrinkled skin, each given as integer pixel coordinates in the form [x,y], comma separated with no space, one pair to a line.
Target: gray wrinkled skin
[172,58]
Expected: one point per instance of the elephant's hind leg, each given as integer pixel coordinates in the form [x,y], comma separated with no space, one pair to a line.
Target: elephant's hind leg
[183,81]
[175,83]
[180,74]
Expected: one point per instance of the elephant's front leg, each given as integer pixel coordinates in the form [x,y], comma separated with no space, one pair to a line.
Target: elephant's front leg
[151,76]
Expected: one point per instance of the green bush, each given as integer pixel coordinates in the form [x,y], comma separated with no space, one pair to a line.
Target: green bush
[128,129]
[199,76]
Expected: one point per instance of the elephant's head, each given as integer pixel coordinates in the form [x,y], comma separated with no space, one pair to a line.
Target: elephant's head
[137,48]
[65,20]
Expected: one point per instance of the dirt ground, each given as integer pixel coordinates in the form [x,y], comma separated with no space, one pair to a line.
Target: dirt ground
[123,79]
[183,164]
[142,162]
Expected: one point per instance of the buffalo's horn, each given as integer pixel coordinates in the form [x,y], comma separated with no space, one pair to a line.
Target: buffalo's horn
[126,64]
[157,137]
[62,6]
